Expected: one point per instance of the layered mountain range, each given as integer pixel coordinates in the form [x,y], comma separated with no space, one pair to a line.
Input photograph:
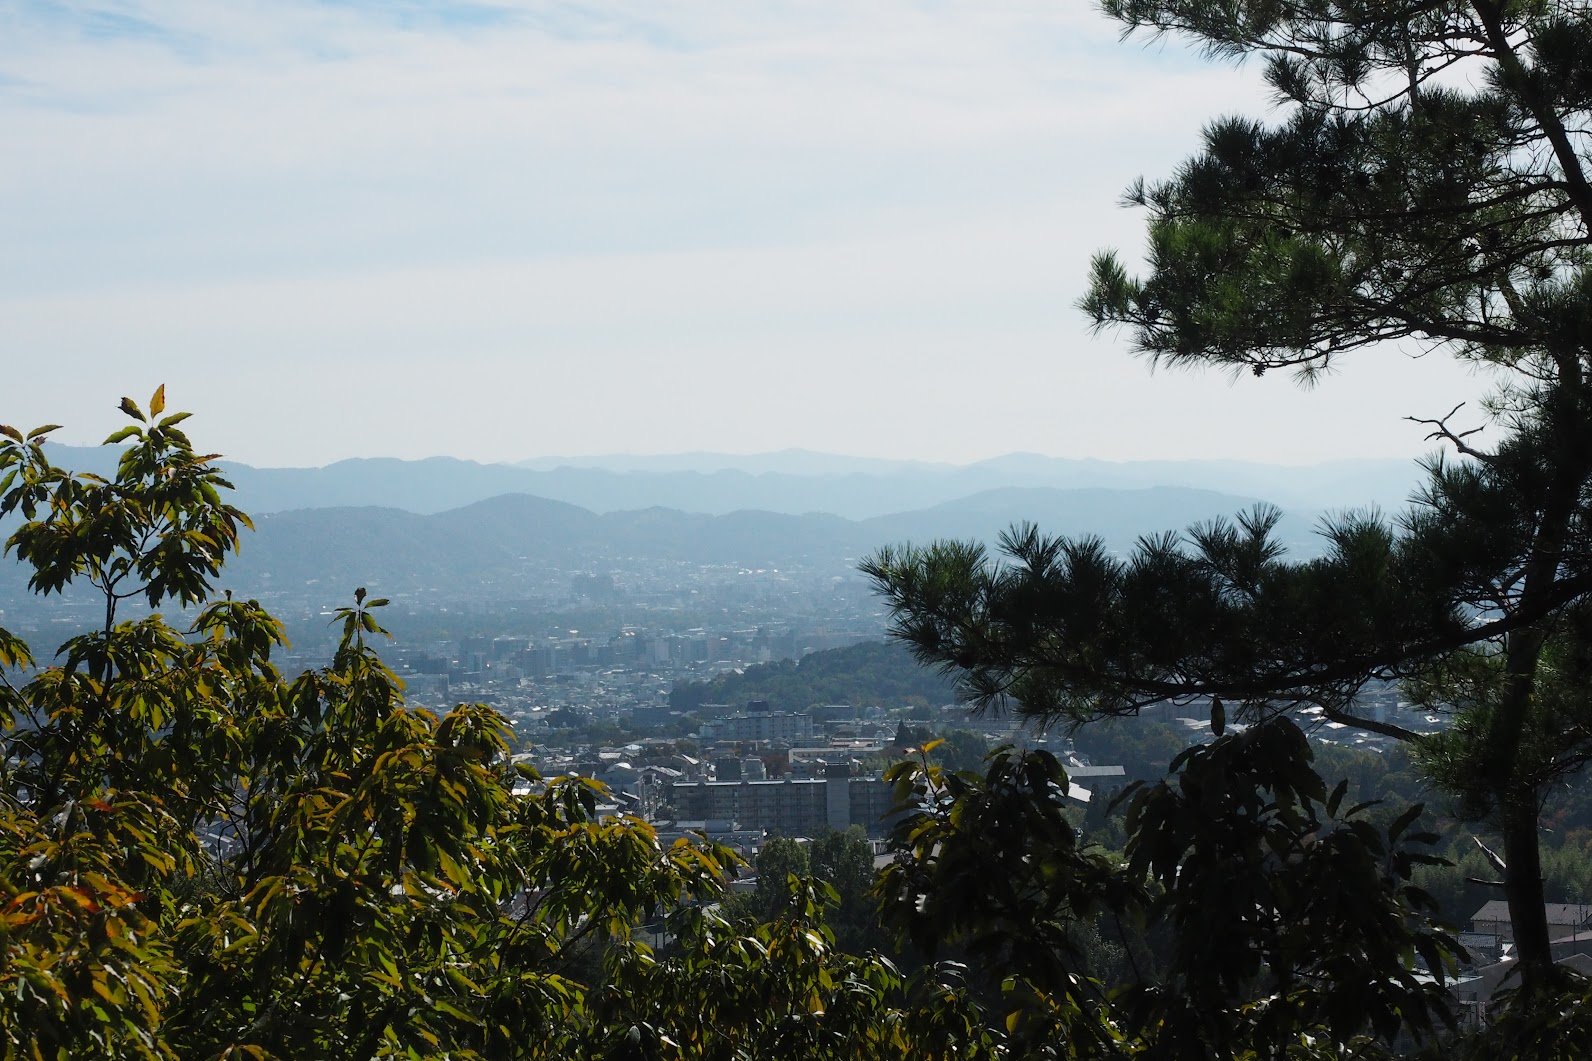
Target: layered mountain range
[791,481]
[450,522]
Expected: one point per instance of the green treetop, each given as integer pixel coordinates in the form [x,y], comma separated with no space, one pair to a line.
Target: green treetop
[202,857]
[1423,180]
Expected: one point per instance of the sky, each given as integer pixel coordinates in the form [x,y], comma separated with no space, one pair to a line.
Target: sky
[499,230]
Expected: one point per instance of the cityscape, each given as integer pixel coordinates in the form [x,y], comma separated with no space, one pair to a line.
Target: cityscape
[973,530]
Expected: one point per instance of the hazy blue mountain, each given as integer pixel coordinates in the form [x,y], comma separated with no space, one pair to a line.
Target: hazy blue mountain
[1119,517]
[502,538]
[846,487]
[1336,484]
[506,541]
[858,488]
[435,484]
[804,462]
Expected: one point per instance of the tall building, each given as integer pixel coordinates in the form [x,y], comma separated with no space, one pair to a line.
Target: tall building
[792,806]
[761,725]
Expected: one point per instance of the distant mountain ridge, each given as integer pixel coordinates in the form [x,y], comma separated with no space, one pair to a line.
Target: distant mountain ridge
[496,541]
[790,482]
[803,462]
[450,523]
[363,521]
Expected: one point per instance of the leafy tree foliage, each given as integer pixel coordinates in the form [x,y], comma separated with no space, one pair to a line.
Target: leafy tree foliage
[962,749]
[842,862]
[843,859]
[784,991]
[778,860]
[201,856]
[1291,918]
[1425,181]
[1141,747]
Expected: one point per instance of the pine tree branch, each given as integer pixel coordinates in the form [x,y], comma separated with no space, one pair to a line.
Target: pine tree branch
[1542,111]
[1441,431]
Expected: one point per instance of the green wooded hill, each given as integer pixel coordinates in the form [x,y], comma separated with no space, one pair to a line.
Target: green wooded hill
[868,673]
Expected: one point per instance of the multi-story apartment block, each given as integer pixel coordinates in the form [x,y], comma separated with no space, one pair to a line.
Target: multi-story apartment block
[792,806]
[758,725]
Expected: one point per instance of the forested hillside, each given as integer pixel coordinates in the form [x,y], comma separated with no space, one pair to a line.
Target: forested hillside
[866,674]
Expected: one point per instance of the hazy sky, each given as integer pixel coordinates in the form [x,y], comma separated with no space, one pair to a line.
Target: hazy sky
[505,229]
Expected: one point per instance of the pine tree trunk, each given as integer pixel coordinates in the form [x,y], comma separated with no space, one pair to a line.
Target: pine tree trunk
[1517,795]
[1523,888]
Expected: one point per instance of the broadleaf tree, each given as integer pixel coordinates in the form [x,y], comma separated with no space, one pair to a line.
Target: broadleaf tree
[1420,185]
[1286,918]
[204,857]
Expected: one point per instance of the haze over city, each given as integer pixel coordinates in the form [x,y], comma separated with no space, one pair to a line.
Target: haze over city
[504,231]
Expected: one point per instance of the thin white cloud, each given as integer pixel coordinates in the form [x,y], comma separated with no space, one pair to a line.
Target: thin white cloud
[637,225]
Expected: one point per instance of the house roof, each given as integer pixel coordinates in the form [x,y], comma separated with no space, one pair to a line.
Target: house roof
[1095,771]
[1492,978]
[1557,913]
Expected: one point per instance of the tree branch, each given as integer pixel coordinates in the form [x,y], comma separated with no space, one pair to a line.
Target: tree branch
[1441,431]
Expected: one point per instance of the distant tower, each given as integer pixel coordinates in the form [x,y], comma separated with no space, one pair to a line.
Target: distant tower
[837,795]
[903,737]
